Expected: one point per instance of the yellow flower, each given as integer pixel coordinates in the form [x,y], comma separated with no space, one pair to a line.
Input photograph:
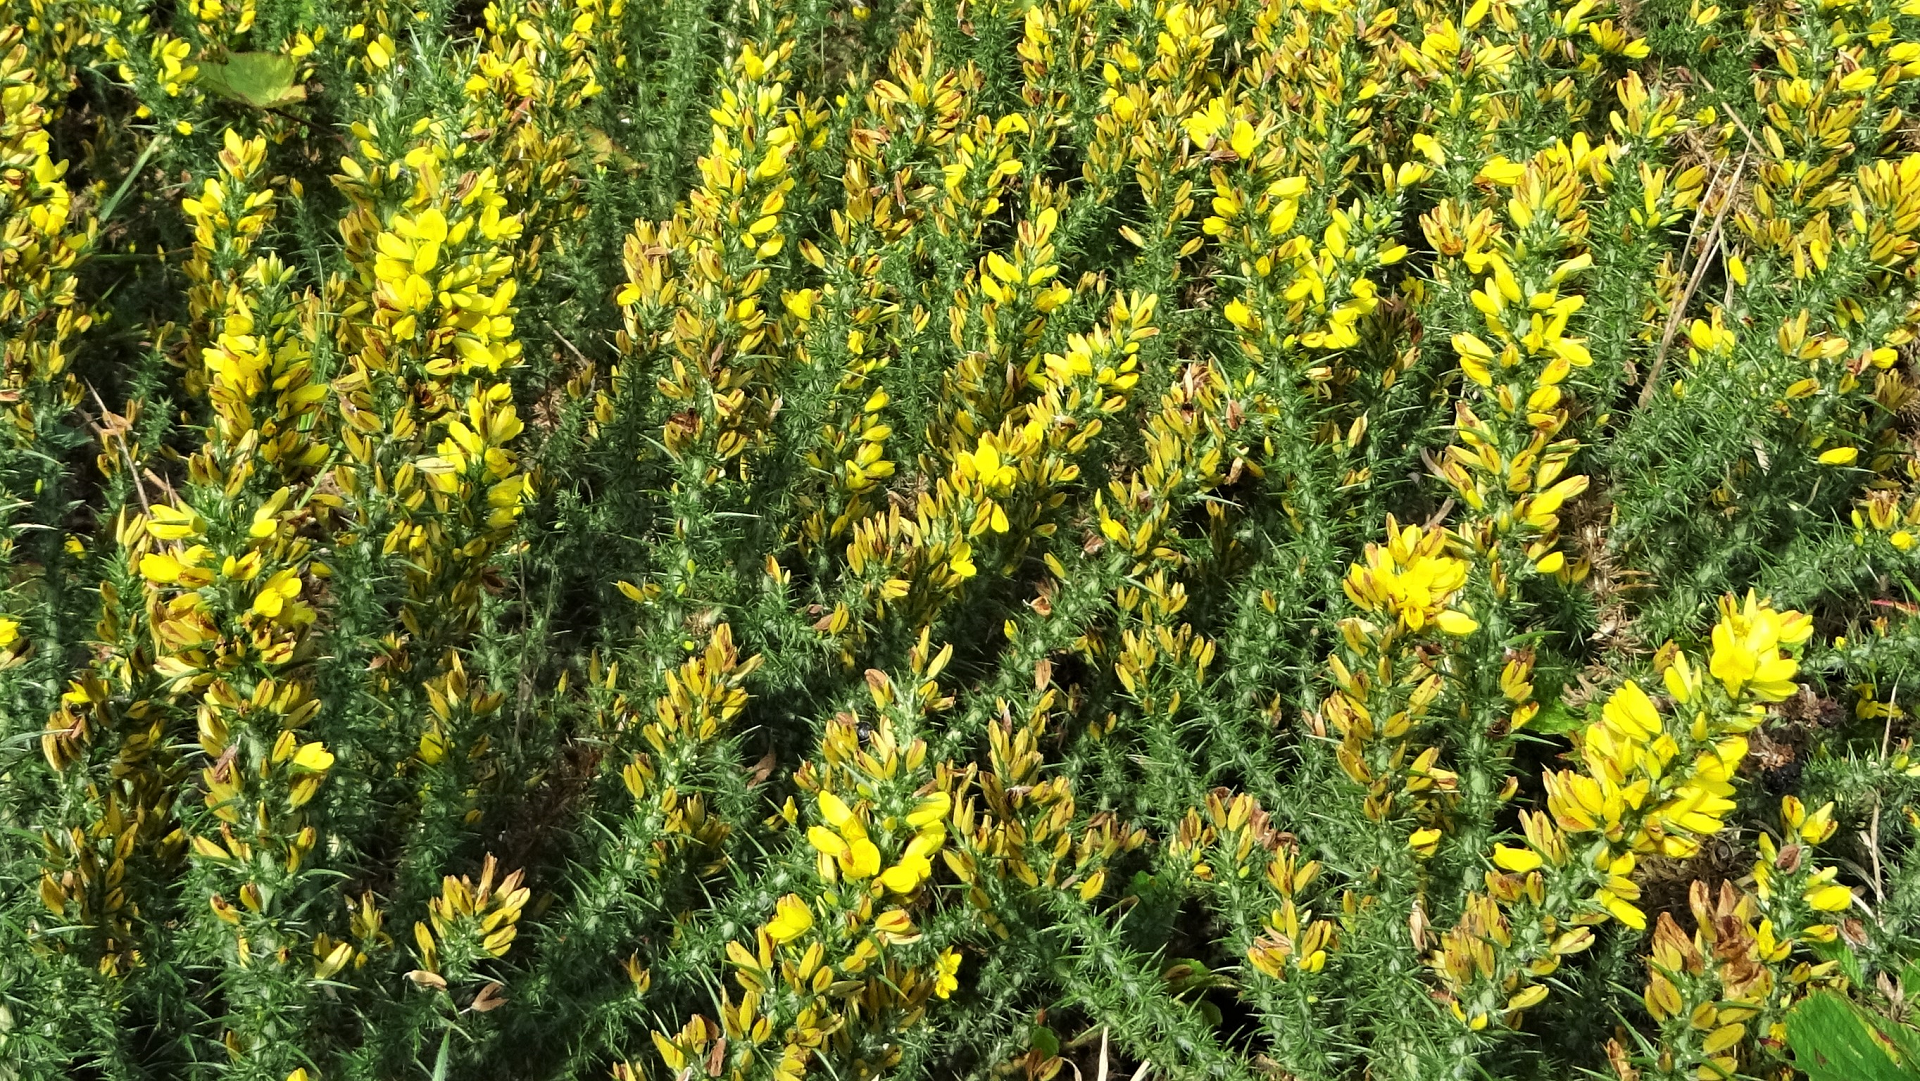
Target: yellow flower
[1830,898]
[1818,826]
[946,973]
[1424,841]
[9,632]
[962,560]
[1207,124]
[1682,681]
[1747,645]
[905,876]
[916,866]
[1630,713]
[1615,897]
[171,523]
[985,463]
[800,303]
[280,589]
[1518,860]
[838,814]
[313,758]
[1500,171]
[792,918]
[826,841]
[862,859]
[1410,577]
[1475,356]
[930,810]
[1239,314]
[1531,996]
[1245,139]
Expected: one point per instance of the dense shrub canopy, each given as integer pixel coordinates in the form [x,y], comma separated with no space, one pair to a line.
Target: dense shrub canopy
[777,539]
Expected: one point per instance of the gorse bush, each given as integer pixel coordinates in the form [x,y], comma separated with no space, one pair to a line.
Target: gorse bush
[1298,539]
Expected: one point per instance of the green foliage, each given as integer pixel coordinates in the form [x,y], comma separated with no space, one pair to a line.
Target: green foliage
[778,539]
[1833,1040]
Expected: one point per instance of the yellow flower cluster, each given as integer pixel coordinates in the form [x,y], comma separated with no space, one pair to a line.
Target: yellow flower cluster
[87,860]
[1653,784]
[42,239]
[477,491]
[453,751]
[996,321]
[433,273]
[257,364]
[1411,581]
[534,64]
[849,314]
[855,316]
[1716,991]
[1004,486]
[1235,842]
[210,15]
[1797,898]
[1474,965]
[1658,784]
[1881,513]
[855,940]
[695,282]
[977,165]
[1510,472]
[161,70]
[1153,81]
[468,924]
[428,322]
[225,566]
[1386,681]
[701,701]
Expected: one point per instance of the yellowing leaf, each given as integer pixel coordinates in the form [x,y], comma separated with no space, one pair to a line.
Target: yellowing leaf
[262,80]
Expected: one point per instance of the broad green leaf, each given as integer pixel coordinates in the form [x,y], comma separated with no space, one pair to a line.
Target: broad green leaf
[262,80]
[1831,1041]
[1555,718]
[1044,1041]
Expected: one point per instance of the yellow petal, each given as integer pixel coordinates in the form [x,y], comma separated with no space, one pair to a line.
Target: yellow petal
[791,919]
[826,841]
[900,878]
[156,567]
[1831,898]
[313,758]
[930,810]
[862,859]
[835,810]
[1518,860]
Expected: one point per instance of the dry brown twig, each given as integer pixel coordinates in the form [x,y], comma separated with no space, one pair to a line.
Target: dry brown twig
[1707,248]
